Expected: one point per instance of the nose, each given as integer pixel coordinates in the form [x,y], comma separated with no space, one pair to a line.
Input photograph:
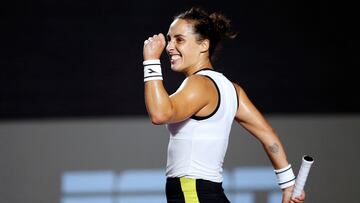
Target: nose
[170,46]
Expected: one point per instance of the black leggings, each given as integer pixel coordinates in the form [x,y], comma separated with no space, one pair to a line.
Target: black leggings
[186,190]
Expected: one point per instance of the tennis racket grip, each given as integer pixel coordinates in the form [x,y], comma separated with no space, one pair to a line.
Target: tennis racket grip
[300,181]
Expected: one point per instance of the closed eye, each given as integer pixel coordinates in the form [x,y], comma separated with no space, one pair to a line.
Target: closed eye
[179,40]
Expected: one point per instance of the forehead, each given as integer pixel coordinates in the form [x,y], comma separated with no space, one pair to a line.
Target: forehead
[180,27]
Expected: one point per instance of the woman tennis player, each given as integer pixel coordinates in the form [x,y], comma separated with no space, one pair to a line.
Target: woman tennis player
[200,113]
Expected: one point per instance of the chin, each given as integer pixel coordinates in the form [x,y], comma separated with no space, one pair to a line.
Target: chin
[175,68]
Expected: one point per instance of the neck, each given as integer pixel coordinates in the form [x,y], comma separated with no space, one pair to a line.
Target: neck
[197,67]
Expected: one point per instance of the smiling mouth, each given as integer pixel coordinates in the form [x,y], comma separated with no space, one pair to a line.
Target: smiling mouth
[173,58]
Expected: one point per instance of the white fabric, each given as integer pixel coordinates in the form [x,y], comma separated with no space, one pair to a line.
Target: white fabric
[197,147]
[285,177]
[152,70]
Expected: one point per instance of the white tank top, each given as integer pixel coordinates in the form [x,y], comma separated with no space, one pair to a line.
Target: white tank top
[197,145]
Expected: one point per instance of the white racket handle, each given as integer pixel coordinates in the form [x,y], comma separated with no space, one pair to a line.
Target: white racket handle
[307,161]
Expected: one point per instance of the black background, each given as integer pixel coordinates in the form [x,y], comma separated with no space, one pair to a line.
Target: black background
[83,58]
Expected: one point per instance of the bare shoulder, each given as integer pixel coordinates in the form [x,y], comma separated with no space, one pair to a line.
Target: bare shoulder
[196,83]
[192,96]
[238,88]
[199,79]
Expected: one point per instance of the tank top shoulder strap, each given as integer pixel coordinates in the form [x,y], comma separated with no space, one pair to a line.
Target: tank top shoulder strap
[218,93]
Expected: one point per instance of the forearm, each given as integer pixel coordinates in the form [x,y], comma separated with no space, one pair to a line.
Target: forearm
[275,151]
[266,135]
[277,156]
[158,103]
[157,100]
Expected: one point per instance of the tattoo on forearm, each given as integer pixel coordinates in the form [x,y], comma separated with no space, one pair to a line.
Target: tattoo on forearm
[274,148]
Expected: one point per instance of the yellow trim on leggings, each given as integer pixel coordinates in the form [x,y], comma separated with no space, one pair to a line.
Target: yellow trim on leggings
[188,186]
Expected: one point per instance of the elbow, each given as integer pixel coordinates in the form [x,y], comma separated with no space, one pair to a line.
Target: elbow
[160,118]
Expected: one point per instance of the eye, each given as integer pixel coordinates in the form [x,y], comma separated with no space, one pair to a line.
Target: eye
[179,40]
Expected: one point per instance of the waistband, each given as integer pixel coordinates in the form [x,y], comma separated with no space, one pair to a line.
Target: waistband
[190,190]
[181,185]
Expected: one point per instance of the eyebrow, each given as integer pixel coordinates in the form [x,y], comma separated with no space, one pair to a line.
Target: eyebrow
[175,36]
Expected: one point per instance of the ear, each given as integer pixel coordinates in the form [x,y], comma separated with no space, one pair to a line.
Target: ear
[205,45]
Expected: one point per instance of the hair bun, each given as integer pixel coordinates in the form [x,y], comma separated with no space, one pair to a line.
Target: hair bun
[214,27]
[222,25]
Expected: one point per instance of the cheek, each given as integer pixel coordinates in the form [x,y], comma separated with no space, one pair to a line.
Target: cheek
[186,50]
[190,55]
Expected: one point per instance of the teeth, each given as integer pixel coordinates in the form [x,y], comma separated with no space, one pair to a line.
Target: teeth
[174,57]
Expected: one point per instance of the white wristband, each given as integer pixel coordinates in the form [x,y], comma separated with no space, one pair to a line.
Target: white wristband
[152,70]
[285,177]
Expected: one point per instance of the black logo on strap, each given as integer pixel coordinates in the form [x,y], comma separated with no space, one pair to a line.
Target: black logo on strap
[151,71]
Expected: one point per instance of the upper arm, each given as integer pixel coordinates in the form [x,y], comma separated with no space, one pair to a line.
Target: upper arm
[191,97]
[250,117]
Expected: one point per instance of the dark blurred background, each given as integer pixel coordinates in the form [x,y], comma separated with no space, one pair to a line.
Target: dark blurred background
[71,93]
[83,58]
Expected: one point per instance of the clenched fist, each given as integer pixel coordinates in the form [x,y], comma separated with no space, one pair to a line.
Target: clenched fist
[154,46]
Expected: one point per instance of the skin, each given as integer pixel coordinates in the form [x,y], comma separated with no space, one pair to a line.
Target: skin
[197,95]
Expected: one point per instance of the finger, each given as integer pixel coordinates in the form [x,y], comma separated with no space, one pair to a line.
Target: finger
[151,39]
[300,199]
[302,195]
[162,38]
[297,200]
[146,42]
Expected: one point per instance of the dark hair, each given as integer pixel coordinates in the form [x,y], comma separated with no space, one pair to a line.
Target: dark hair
[214,27]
